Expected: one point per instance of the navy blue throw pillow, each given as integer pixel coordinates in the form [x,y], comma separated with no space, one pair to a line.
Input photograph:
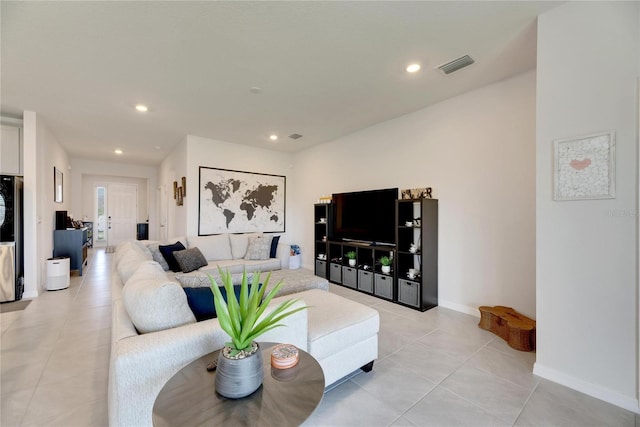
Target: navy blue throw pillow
[274,246]
[201,301]
[167,252]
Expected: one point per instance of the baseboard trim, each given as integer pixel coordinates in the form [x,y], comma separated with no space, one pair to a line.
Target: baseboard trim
[459,307]
[32,294]
[587,388]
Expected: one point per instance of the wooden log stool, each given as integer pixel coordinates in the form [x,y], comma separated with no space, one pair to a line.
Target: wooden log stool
[517,330]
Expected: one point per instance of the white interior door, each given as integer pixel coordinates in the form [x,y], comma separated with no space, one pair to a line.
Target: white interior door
[122,209]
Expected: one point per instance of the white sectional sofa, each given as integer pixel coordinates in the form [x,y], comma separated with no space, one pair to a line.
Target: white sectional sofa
[154,333]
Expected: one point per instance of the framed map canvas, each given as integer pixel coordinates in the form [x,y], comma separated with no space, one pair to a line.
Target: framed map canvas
[584,167]
[240,202]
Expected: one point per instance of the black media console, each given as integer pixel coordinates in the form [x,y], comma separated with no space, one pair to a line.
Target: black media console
[413,279]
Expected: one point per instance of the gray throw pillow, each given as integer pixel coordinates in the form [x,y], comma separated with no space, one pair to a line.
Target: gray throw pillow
[157,255]
[190,259]
[259,248]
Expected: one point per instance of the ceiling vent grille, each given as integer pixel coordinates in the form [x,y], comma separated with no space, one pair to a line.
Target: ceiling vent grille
[456,64]
[295,136]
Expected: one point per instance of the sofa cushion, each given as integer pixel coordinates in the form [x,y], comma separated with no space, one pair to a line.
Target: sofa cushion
[274,246]
[298,280]
[130,260]
[213,247]
[336,323]
[201,301]
[129,247]
[142,248]
[240,243]
[157,255]
[238,266]
[190,259]
[199,279]
[259,248]
[167,252]
[153,302]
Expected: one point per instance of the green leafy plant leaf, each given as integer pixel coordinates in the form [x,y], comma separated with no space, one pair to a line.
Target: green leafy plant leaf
[244,320]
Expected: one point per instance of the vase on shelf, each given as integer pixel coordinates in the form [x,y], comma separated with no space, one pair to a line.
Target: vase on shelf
[386,269]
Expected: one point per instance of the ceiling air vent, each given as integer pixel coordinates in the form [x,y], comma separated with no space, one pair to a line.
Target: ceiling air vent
[295,136]
[456,64]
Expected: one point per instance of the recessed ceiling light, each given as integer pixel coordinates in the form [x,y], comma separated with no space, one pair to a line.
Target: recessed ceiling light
[273,137]
[142,108]
[157,147]
[118,151]
[412,68]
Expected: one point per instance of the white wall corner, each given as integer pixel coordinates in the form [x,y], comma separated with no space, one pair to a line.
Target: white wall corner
[587,388]
[473,311]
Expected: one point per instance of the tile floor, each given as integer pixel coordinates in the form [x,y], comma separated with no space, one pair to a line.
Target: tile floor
[434,369]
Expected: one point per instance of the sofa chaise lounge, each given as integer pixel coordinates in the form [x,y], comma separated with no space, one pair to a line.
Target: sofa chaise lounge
[154,332]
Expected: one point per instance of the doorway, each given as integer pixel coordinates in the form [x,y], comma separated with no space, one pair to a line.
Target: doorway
[122,212]
[116,213]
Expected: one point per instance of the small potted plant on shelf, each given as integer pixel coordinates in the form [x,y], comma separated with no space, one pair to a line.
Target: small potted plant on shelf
[351,256]
[240,370]
[385,261]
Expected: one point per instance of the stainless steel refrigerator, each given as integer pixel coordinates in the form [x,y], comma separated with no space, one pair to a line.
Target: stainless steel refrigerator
[11,238]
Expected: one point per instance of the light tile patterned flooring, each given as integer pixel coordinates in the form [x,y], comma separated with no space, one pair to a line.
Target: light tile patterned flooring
[434,369]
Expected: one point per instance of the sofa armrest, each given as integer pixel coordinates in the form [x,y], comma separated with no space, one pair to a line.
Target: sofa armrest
[141,365]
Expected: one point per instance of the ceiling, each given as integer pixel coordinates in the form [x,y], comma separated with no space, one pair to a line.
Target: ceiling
[323,69]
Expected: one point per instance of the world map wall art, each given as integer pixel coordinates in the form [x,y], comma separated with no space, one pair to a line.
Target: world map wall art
[240,202]
[585,167]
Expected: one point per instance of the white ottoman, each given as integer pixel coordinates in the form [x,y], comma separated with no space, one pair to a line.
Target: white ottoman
[342,334]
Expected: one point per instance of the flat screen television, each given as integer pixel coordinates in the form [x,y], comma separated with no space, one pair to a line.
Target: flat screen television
[365,216]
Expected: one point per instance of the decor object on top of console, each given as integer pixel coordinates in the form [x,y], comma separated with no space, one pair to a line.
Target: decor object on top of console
[416,193]
[240,370]
[584,167]
[240,202]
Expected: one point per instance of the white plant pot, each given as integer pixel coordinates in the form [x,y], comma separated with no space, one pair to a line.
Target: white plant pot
[352,262]
[386,269]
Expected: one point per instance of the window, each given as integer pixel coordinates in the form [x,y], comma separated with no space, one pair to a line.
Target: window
[101,218]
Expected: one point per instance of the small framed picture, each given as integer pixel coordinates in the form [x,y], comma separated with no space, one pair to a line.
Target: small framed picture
[584,167]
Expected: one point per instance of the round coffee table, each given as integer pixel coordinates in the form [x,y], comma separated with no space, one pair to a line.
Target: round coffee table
[286,397]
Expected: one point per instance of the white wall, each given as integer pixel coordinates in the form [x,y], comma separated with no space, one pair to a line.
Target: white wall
[42,152]
[477,152]
[219,154]
[173,168]
[586,250]
[89,182]
[82,170]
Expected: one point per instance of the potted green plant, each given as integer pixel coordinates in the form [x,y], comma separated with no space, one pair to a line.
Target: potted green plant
[240,370]
[351,256]
[385,261]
